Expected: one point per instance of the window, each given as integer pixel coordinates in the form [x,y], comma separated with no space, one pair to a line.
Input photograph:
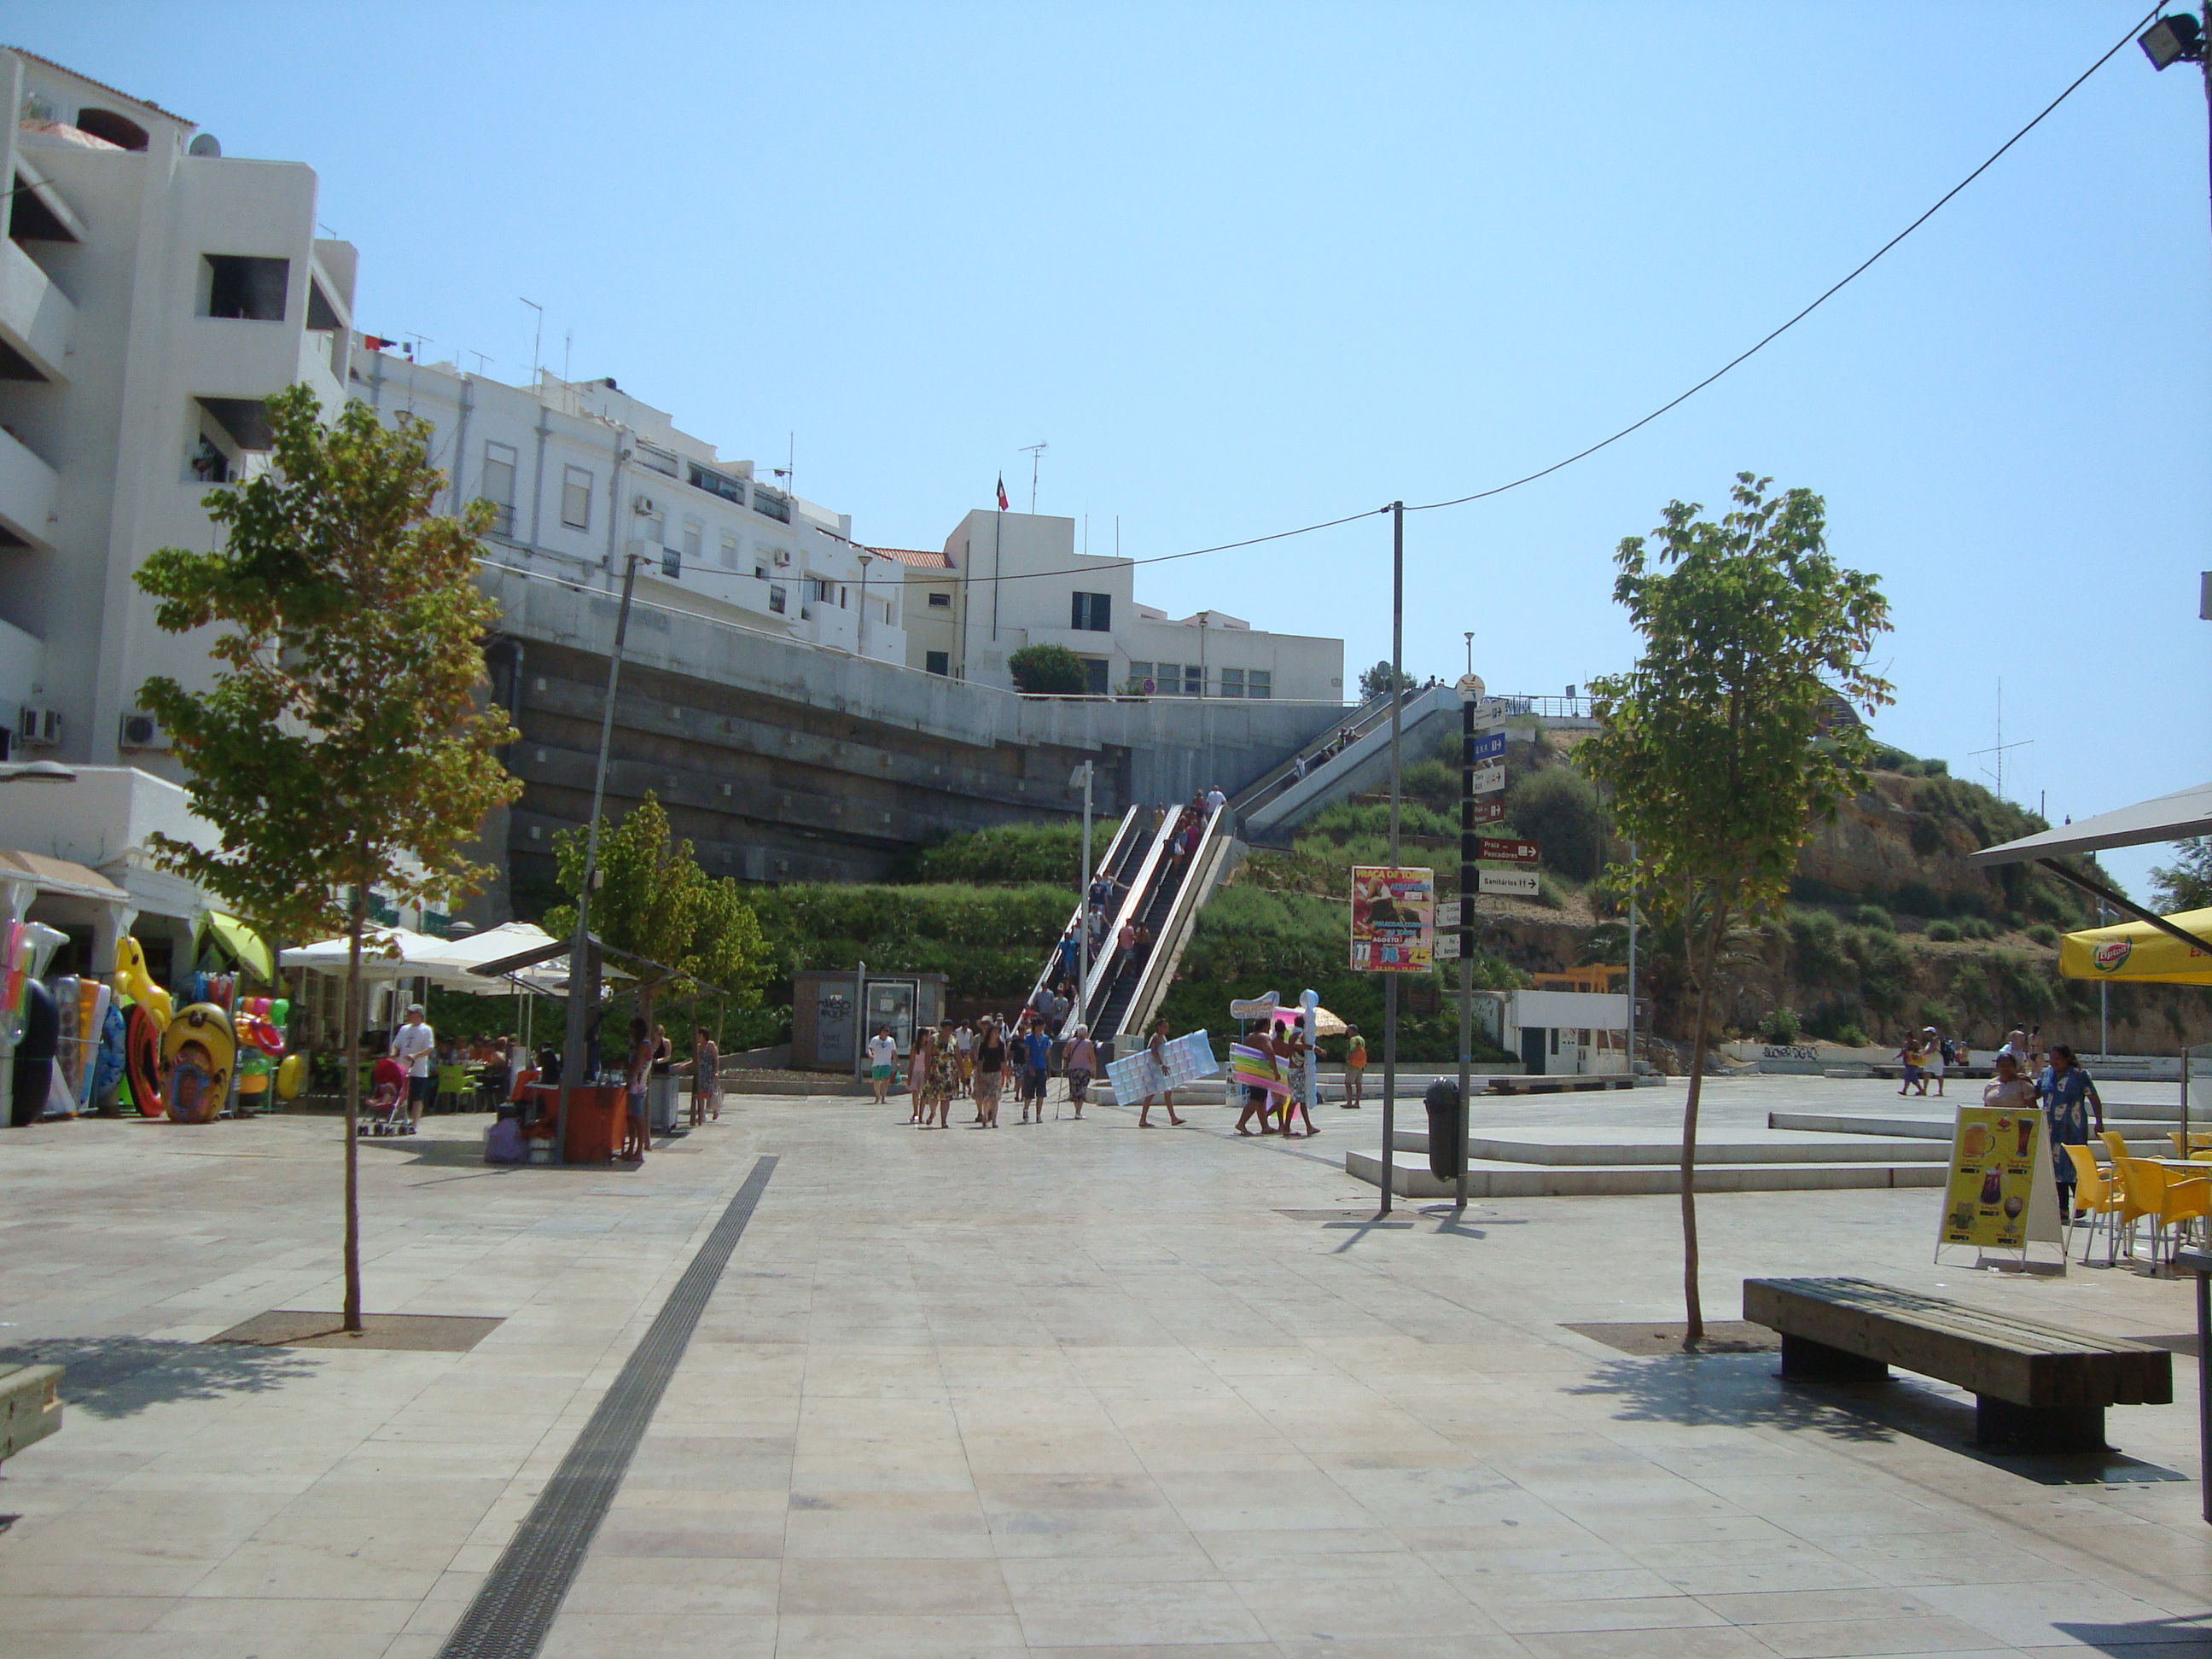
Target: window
[776,600]
[1232,682]
[1095,669]
[1167,676]
[770,505]
[656,528]
[1138,673]
[820,590]
[322,315]
[730,489]
[1092,613]
[1194,680]
[576,498]
[654,456]
[940,601]
[249,288]
[843,595]
[732,556]
[695,537]
[938,662]
[760,573]
[1259,682]
[497,485]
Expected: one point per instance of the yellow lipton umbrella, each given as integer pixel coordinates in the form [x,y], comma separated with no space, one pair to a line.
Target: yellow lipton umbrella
[2136,952]
[247,948]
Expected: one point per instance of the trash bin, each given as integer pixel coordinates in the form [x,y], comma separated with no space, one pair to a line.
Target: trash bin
[1447,1134]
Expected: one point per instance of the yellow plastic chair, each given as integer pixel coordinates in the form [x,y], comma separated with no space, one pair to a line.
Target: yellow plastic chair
[452,1085]
[2199,1145]
[2093,1192]
[2116,1145]
[2151,1191]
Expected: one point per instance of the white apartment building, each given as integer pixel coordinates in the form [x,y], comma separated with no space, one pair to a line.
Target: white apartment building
[1006,579]
[581,474]
[152,294]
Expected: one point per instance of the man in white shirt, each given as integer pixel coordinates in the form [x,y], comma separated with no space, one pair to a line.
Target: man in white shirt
[882,1062]
[1215,800]
[412,1045]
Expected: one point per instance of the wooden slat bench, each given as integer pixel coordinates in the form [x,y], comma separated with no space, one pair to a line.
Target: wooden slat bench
[30,1406]
[2036,1387]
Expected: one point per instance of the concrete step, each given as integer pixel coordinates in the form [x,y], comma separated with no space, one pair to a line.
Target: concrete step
[1574,1145]
[2147,1138]
[1410,1177]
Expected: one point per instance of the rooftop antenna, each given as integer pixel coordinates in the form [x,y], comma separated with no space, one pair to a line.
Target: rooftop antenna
[537,341]
[789,470]
[481,360]
[1036,453]
[1086,535]
[568,345]
[2001,746]
[1117,535]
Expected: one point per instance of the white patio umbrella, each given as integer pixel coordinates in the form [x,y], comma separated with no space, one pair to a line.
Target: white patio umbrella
[385,953]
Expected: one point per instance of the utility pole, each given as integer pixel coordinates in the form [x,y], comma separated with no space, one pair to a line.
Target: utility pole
[583,979]
[1470,691]
[1631,964]
[2105,1007]
[1083,774]
[1397,735]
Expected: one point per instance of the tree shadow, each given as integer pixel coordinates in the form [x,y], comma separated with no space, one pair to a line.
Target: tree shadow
[1737,1390]
[120,1376]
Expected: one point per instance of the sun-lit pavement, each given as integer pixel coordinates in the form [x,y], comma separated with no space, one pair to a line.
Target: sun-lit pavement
[1071,1388]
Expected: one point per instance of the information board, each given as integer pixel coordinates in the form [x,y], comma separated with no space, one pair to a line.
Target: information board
[1488,780]
[1394,912]
[2001,1195]
[1490,746]
[1515,883]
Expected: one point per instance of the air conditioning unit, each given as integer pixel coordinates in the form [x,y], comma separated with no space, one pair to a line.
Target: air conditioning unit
[783,556]
[38,727]
[644,506]
[137,730]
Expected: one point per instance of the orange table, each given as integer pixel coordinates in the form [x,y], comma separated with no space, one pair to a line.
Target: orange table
[595,1119]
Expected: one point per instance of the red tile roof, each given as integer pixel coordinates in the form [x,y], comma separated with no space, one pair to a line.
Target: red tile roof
[117,91]
[919,558]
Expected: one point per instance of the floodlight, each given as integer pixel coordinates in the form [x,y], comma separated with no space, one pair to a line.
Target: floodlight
[2173,41]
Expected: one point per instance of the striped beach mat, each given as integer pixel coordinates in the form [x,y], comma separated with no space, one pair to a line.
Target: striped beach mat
[1255,1068]
[1185,1060]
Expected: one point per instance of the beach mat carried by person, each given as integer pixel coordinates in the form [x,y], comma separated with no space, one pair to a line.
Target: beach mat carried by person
[1183,1060]
[1255,1068]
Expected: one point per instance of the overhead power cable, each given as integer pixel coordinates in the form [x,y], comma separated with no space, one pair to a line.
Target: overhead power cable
[1737,362]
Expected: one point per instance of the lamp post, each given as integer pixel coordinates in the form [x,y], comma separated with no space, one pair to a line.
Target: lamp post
[2180,39]
[1083,775]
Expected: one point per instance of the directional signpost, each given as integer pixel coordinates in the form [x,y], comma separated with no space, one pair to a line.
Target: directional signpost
[1517,883]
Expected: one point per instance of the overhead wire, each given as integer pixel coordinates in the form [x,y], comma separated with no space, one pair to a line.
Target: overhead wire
[1672,403]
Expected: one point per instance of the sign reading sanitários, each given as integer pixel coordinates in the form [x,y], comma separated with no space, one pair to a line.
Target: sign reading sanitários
[1515,883]
[1392,919]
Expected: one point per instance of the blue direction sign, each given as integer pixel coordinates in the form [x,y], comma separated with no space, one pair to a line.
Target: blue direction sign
[1490,745]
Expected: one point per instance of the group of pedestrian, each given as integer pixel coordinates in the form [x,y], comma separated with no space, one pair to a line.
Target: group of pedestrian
[1278,1112]
[952,1062]
[1926,1055]
[2064,1093]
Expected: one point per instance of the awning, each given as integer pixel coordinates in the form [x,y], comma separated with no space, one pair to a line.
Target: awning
[59,875]
[2136,953]
[2170,818]
[246,947]
[385,953]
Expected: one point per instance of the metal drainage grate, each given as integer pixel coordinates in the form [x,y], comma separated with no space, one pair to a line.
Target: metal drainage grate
[516,1606]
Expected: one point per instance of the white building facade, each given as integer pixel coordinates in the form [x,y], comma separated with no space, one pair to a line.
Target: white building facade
[1004,581]
[153,292]
[581,476]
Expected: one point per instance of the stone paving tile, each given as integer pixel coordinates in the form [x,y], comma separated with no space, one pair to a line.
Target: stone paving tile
[1044,1395]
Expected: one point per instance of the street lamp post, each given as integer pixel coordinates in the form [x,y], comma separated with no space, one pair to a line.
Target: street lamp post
[865,557]
[1083,774]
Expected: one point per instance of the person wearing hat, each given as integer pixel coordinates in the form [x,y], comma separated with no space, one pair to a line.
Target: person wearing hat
[412,1045]
[1931,1060]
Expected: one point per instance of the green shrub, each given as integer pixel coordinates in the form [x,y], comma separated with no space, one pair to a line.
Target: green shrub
[1946,931]
[1048,669]
[2044,933]
[1557,807]
[1977,927]
[1780,1025]
[1851,1037]
[1013,855]
[1873,916]
[988,941]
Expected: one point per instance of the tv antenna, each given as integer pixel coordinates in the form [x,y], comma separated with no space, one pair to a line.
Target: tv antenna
[537,341]
[789,470]
[1036,453]
[2001,746]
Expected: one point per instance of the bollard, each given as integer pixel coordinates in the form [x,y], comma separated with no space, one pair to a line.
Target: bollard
[1447,1135]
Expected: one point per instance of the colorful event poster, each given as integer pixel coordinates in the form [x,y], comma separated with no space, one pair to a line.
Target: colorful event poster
[1996,1155]
[1394,914]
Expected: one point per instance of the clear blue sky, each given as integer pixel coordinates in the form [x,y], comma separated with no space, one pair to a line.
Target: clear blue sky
[1245,267]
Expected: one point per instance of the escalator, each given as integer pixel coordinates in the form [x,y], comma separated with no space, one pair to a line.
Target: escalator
[1124,853]
[1126,987]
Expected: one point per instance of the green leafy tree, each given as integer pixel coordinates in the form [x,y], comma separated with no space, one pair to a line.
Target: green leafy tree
[1557,807]
[1375,682]
[1715,747]
[653,900]
[2187,884]
[1049,670]
[340,747]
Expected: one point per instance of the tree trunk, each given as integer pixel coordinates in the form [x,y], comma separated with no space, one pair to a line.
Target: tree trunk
[356,921]
[1693,1301]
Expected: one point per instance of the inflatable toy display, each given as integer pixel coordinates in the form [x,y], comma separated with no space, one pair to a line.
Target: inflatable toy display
[198,1050]
[34,1060]
[107,1058]
[291,1076]
[132,980]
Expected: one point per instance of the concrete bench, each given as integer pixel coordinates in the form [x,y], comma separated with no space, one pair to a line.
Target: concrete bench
[30,1406]
[2036,1387]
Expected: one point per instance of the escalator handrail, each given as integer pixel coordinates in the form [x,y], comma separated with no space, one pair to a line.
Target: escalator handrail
[1105,965]
[1182,917]
[1082,903]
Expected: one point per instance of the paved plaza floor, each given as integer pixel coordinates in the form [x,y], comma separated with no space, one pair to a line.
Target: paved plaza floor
[1070,1388]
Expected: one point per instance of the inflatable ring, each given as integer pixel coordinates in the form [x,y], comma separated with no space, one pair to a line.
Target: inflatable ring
[254,1032]
[199,1051]
[142,1060]
[291,1076]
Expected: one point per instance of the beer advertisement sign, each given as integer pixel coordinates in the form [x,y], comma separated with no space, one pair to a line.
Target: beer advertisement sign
[1998,1158]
